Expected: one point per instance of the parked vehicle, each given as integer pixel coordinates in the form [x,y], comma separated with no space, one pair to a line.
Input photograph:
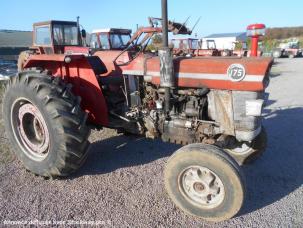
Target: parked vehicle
[110,38]
[193,47]
[289,49]
[211,105]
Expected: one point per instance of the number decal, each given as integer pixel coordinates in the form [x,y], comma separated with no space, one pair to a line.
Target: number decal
[236,72]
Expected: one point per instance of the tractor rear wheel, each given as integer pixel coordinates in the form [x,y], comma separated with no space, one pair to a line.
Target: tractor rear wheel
[204,181]
[45,124]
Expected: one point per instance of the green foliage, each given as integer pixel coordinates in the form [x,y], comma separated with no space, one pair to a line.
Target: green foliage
[238,46]
[156,43]
[284,33]
[275,36]
[269,44]
[157,39]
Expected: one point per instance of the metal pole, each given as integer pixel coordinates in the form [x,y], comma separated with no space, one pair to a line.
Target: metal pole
[79,32]
[254,46]
[164,24]
[167,79]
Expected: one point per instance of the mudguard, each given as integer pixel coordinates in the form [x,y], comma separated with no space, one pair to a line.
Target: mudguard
[77,70]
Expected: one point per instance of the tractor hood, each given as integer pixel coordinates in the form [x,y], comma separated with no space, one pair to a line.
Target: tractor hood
[230,73]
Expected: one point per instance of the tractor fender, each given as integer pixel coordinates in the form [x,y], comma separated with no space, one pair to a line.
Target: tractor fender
[78,71]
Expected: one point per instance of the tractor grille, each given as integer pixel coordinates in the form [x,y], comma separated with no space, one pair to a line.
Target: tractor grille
[247,127]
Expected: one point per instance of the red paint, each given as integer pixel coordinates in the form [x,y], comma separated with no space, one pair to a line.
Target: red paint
[107,57]
[208,65]
[254,46]
[80,73]
[216,84]
[76,50]
[256,26]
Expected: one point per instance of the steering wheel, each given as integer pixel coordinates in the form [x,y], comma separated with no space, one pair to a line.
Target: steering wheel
[138,48]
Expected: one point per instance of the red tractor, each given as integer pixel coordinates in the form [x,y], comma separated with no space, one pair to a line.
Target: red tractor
[211,105]
[193,47]
[184,46]
[290,49]
[110,38]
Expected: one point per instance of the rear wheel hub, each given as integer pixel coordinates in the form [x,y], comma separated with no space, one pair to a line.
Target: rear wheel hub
[30,129]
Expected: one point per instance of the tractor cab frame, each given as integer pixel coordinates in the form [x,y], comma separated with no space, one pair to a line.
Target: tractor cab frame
[110,39]
[185,45]
[52,37]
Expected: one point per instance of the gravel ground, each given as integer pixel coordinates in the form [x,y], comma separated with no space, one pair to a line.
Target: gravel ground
[121,183]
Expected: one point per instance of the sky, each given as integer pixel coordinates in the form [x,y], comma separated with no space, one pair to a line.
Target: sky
[217,16]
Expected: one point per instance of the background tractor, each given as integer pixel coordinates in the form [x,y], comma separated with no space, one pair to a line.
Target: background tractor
[110,39]
[194,47]
[211,105]
[184,46]
[290,49]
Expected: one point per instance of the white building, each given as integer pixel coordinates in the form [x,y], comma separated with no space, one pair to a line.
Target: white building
[224,40]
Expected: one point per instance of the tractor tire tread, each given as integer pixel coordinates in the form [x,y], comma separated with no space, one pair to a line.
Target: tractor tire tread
[60,105]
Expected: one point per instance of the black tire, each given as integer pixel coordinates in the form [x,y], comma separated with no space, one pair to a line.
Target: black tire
[64,122]
[219,163]
[254,150]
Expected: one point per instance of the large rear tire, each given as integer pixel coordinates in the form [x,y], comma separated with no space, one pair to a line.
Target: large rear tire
[45,124]
[204,181]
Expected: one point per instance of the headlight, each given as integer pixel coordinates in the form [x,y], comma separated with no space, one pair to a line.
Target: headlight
[67,59]
[254,107]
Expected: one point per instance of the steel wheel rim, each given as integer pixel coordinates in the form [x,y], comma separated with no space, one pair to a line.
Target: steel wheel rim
[30,129]
[201,186]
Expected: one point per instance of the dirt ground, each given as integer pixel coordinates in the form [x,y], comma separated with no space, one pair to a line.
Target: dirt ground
[121,184]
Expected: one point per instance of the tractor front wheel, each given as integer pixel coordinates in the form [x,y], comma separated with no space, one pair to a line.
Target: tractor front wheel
[45,124]
[204,181]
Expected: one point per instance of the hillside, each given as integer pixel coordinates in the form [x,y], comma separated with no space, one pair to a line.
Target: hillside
[284,33]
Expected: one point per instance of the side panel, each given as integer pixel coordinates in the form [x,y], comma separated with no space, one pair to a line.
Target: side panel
[229,110]
[79,73]
[220,109]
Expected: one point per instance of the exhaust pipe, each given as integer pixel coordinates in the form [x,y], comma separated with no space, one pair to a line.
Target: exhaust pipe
[167,79]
